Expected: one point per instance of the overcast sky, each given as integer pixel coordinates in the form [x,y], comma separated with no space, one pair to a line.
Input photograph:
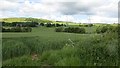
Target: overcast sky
[84,11]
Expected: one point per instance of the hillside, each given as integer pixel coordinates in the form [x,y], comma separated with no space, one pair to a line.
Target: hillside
[40,20]
[10,20]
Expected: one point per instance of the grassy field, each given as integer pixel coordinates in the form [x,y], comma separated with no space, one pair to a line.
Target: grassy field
[45,47]
[13,20]
[44,31]
[10,20]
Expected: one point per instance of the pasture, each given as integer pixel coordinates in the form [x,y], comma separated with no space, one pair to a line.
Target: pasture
[56,49]
[43,46]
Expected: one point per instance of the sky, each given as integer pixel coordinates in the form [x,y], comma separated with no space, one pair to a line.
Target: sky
[80,11]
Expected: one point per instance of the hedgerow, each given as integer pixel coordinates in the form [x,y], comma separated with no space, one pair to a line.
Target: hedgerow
[17,29]
[107,28]
[71,30]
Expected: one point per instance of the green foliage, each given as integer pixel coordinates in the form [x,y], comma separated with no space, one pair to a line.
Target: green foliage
[53,57]
[70,30]
[38,20]
[17,29]
[73,61]
[74,30]
[13,49]
[60,49]
[102,29]
[86,25]
[22,61]
[59,29]
[20,24]
[107,28]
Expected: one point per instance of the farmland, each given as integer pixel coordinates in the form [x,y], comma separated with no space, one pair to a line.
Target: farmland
[45,47]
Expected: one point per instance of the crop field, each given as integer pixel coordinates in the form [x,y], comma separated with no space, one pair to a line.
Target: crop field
[43,46]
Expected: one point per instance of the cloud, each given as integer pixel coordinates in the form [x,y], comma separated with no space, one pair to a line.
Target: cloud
[37,8]
[99,10]
[110,10]
[7,5]
[71,8]
[12,0]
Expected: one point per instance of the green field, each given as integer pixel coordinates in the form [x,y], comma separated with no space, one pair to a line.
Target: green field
[45,47]
[45,41]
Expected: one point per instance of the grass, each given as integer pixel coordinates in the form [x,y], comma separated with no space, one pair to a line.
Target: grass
[44,32]
[10,20]
[55,48]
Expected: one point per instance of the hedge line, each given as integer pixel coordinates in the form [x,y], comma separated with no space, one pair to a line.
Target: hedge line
[107,28]
[31,24]
[71,30]
[21,24]
[17,29]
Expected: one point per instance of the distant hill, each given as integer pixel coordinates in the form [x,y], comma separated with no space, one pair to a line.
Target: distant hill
[10,20]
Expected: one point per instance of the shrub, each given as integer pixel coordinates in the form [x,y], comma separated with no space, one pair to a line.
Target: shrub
[107,28]
[23,24]
[57,25]
[102,29]
[42,24]
[59,29]
[17,29]
[28,29]
[86,25]
[74,30]
[66,29]
[81,30]
[48,25]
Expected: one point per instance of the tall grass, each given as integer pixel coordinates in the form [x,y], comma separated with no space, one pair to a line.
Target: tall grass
[100,51]
[60,49]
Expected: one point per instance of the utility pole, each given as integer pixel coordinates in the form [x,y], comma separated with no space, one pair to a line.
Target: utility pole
[89,19]
[67,20]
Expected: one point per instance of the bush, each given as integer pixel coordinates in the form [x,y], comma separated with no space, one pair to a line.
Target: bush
[48,25]
[54,25]
[74,30]
[17,29]
[59,29]
[86,25]
[23,24]
[107,28]
[42,24]
[27,29]
[80,30]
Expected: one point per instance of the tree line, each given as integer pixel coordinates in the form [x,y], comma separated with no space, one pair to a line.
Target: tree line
[71,30]
[31,24]
[99,30]
[17,29]
[21,24]
[86,25]
[107,28]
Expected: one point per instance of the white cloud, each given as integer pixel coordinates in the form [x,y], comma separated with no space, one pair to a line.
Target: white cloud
[7,5]
[102,19]
[38,8]
[99,10]
[12,0]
